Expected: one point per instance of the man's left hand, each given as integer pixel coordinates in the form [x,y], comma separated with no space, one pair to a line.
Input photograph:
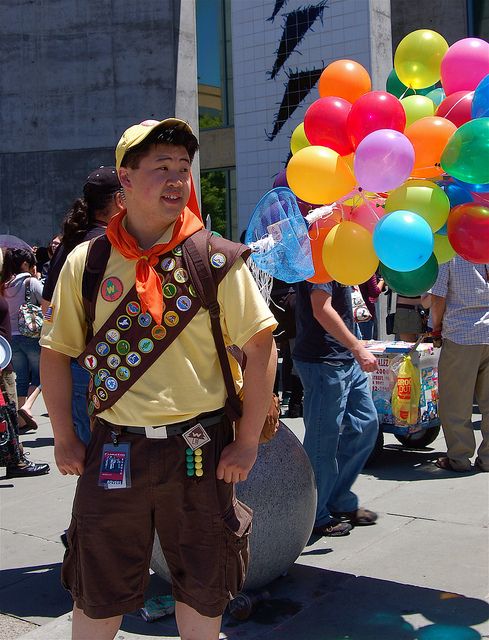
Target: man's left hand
[236,461]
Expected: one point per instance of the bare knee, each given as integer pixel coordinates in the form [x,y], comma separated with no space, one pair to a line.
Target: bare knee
[100,629]
[194,626]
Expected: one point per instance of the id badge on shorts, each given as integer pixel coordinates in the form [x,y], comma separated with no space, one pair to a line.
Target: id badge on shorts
[115,466]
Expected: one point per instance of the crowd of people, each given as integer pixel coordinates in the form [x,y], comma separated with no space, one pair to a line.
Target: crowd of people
[132,380]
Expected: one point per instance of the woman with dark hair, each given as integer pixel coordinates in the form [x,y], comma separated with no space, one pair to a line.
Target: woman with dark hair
[18,275]
[11,452]
[87,219]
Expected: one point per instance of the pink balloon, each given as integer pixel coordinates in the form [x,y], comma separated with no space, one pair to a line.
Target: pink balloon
[383,160]
[366,214]
[457,107]
[464,65]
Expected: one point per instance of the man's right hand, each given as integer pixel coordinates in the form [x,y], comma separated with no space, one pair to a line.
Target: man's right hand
[366,359]
[70,456]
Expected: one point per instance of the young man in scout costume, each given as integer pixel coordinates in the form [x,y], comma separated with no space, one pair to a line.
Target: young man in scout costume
[162,454]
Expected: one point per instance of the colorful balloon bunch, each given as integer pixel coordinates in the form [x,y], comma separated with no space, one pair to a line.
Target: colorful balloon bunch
[405,171]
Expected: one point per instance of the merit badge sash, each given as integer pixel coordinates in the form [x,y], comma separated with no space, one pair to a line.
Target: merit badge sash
[130,341]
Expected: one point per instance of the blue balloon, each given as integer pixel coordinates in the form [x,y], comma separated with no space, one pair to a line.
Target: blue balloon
[480,101]
[444,230]
[403,240]
[455,193]
[477,188]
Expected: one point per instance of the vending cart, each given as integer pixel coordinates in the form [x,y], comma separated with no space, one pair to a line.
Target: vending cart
[425,359]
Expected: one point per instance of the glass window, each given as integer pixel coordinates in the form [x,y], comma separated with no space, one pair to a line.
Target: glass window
[214,63]
[218,193]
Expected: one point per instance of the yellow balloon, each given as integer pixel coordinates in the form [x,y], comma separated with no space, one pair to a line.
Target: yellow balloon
[319,175]
[417,107]
[348,253]
[298,139]
[418,58]
[442,249]
[423,197]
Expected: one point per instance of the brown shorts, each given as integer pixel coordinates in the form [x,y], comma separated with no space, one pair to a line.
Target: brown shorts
[203,529]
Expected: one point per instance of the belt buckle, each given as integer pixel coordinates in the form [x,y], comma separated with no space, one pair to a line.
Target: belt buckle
[156,433]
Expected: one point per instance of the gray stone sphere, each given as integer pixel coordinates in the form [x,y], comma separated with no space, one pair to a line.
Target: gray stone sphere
[281,490]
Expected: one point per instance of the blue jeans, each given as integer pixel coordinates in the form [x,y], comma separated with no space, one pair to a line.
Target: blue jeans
[341,428]
[25,360]
[367,329]
[80,378]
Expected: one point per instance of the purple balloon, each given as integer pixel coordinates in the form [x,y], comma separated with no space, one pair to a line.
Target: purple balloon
[280,179]
[383,160]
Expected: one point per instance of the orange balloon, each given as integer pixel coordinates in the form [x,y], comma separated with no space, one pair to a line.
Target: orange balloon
[429,137]
[317,235]
[344,79]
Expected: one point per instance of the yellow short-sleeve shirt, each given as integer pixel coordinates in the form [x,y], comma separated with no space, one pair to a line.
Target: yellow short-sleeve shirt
[186,379]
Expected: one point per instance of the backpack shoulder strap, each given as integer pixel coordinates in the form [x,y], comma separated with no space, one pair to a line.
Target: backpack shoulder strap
[96,260]
[198,251]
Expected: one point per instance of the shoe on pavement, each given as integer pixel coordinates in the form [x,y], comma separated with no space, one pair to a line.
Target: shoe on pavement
[334,529]
[358,518]
[27,469]
[295,411]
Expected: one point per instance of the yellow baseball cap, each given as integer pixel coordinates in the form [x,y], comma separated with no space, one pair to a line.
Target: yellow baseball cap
[138,132]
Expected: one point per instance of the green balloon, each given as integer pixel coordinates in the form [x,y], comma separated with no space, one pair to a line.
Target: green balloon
[411,283]
[466,154]
[397,88]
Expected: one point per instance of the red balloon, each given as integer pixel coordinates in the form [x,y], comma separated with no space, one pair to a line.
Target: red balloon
[372,111]
[457,107]
[468,231]
[325,124]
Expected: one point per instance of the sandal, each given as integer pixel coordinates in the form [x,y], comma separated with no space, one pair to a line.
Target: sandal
[445,464]
[359,518]
[334,529]
[29,423]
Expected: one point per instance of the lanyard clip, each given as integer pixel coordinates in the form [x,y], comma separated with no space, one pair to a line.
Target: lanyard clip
[114,437]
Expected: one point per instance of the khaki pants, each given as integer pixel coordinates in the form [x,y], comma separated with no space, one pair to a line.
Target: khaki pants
[464,373]
[8,379]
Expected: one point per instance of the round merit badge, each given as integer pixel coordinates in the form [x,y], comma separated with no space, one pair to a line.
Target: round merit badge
[177,251]
[183,303]
[112,336]
[158,332]
[96,402]
[191,290]
[133,359]
[146,345]
[123,347]
[218,260]
[123,323]
[144,319]
[90,362]
[171,318]
[102,348]
[123,373]
[169,290]
[111,384]
[133,308]
[180,275]
[103,373]
[113,361]
[168,264]
[111,289]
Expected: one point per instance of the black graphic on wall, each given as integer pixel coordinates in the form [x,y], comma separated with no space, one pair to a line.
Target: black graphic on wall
[296,25]
[297,88]
[279,4]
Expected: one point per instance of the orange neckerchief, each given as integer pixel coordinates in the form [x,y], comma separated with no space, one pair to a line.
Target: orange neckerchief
[148,284]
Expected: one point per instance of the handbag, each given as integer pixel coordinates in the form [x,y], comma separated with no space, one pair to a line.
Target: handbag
[360,309]
[30,315]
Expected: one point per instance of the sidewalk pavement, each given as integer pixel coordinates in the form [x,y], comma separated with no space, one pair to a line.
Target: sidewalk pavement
[420,573]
